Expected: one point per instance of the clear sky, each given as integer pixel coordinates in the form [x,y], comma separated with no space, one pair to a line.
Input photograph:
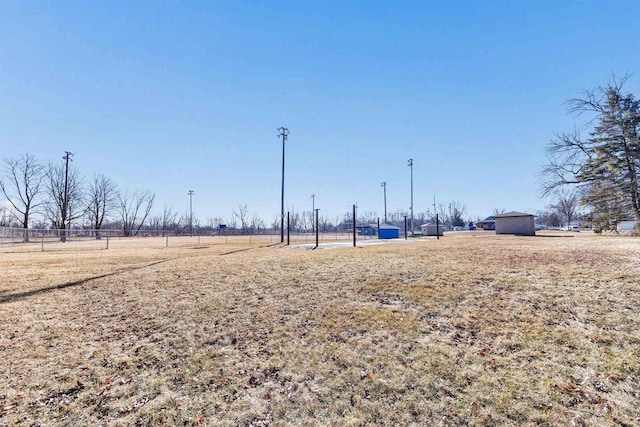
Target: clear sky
[178,96]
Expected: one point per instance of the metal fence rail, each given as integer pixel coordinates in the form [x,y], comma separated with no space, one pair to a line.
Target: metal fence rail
[33,239]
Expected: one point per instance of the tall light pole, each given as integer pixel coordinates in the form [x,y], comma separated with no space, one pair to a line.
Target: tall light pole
[284,133]
[190,193]
[313,209]
[383,184]
[410,164]
[65,202]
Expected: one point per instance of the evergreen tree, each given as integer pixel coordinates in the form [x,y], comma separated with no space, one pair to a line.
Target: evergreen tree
[607,162]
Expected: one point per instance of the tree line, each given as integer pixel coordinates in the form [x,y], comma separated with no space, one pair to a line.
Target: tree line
[59,195]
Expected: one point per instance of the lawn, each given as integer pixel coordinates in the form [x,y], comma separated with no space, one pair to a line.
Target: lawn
[474,329]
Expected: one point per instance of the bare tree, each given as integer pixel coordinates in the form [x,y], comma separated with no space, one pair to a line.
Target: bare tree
[134,210]
[422,217]
[256,224]
[456,212]
[306,221]
[294,220]
[324,223]
[347,221]
[567,205]
[442,215]
[232,222]
[397,218]
[22,185]
[188,222]
[241,212]
[548,218]
[367,217]
[275,223]
[216,222]
[102,200]
[497,211]
[168,220]
[65,197]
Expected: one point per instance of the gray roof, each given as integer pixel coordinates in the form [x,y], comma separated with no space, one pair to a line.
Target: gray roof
[512,214]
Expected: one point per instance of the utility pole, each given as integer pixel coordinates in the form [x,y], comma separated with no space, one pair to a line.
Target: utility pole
[383,184]
[284,133]
[313,209]
[65,202]
[190,193]
[410,164]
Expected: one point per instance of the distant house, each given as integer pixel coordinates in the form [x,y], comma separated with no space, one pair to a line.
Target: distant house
[489,223]
[387,231]
[515,223]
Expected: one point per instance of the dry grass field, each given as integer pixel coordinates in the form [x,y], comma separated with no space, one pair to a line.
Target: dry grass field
[468,330]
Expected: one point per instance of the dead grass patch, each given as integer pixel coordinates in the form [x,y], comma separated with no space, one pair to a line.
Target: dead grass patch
[484,330]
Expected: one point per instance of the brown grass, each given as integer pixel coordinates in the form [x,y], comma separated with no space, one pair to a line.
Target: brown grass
[467,330]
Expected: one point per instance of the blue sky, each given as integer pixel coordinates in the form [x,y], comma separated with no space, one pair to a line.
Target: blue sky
[171,97]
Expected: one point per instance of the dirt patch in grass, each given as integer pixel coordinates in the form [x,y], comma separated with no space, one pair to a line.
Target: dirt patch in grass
[479,330]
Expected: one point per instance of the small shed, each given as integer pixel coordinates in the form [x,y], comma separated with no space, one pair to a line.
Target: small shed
[515,223]
[387,231]
[431,229]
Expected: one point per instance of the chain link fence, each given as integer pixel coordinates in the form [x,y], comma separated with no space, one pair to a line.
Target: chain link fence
[34,239]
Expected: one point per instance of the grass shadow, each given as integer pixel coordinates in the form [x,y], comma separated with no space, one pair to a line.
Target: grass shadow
[22,295]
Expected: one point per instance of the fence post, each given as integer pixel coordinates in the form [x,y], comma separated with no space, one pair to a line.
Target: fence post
[107,241]
[167,244]
[42,242]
